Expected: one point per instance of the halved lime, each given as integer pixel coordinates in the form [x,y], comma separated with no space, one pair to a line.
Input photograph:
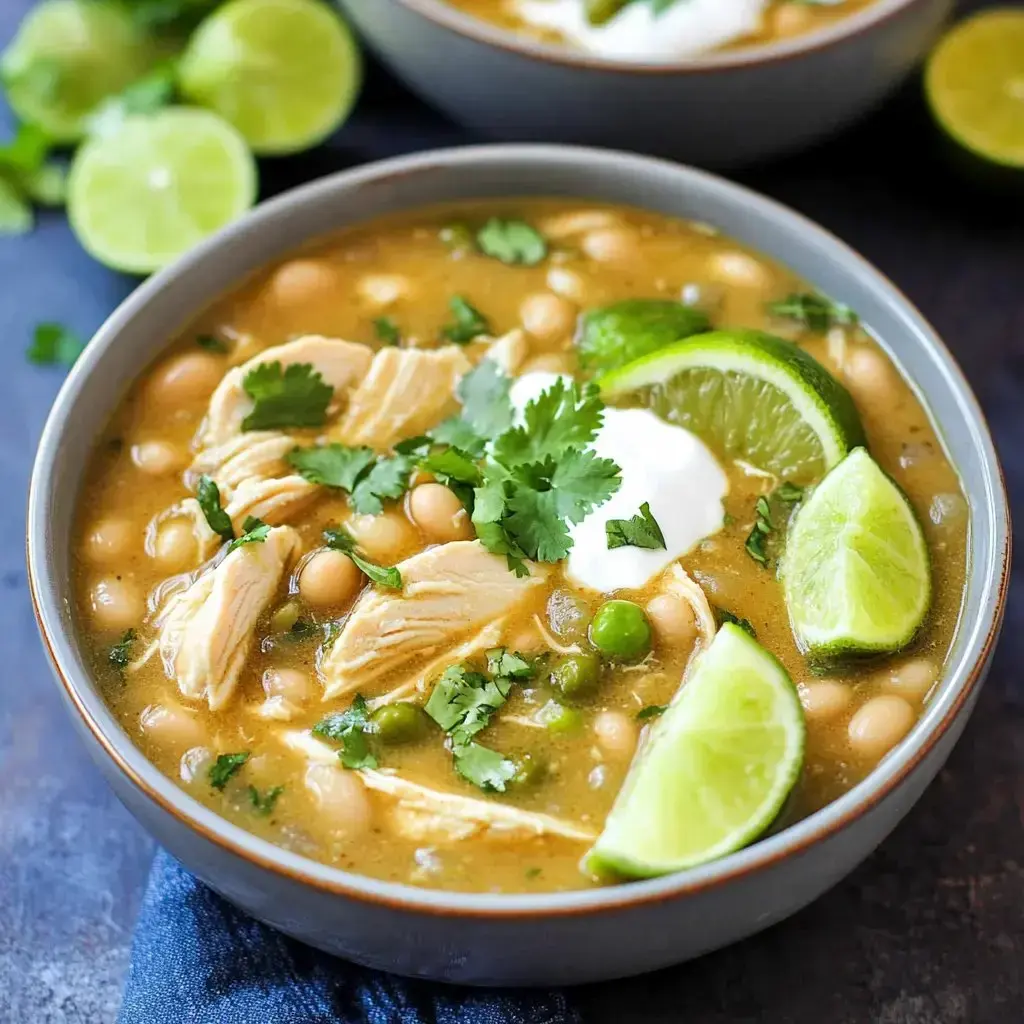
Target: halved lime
[156,185]
[750,396]
[855,572]
[285,73]
[716,769]
[69,55]
[974,82]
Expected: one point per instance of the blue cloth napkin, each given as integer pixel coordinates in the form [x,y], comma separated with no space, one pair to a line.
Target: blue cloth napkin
[198,960]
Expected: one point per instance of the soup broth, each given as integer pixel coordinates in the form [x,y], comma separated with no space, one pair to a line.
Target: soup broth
[231,718]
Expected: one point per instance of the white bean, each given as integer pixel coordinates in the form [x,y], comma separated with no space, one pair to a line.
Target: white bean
[912,679]
[740,270]
[295,686]
[386,538]
[439,513]
[382,290]
[823,699]
[547,317]
[611,245]
[877,726]
[617,733]
[157,458]
[108,540]
[342,797]
[302,281]
[173,727]
[185,379]
[329,578]
[673,621]
[176,546]
[116,604]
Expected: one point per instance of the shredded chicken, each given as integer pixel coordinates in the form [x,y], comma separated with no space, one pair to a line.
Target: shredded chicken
[677,581]
[447,591]
[406,392]
[509,351]
[207,630]
[274,501]
[258,453]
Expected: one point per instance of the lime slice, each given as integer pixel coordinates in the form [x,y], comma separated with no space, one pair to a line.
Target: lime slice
[69,55]
[285,73]
[156,185]
[716,769]
[974,82]
[855,571]
[749,395]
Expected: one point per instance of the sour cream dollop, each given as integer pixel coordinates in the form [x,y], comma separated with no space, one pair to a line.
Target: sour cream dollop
[664,465]
[637,33]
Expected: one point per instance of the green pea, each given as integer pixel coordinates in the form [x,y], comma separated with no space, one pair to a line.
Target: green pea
[558,718]
[576,675]
[620,629]
[530,770]
[400,723]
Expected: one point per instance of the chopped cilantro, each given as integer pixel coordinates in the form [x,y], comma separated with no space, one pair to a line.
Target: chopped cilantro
[512,242]
[457,237]
[651,711]
[208,495]
[263,803]
[54,344]
[533,872]
[789,493]
[341,540]
[486,406]
[483,767]
[26,178]
[764,523]
[813,311]
[212,343]
[334,465]
[412,445]
[292,396]
[120,655]
[387,480]
[503,662]
[640,531]
[254,531]
[468,322]
[723,616]
[352,729]
[226,766]
[387,331]
[301,629]
[456,469]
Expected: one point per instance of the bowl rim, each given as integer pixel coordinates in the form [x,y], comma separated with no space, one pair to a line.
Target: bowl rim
[444,16]
[153,786]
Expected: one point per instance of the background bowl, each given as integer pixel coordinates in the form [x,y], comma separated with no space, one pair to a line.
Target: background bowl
[722,109]
[518,939]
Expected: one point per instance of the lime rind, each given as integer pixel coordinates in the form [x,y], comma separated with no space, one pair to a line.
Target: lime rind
[856,571]
[716,769]
[751,395]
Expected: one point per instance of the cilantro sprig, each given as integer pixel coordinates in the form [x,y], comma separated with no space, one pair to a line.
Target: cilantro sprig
[27,177]
[352,729]
[370,480]
[812,310]
[208,496]
[512,242]
[639,531]
[54,344]
[263,803]
[291,396]
[120,654]
[387,331]
[766,508]
[467,322]
[340,540]
[226,767]
[254,531]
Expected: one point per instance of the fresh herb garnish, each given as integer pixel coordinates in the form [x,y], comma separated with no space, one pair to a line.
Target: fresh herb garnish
[456,469]
[386,481]
[54,344]
[503,662]
[512,242]
[211,343]
[468,322]
[486,410]
[599,12]
[483,767]
[813,311]
[722,616]
[764,523]
[120,655]
[301,629]
[225,767]
[26,178]
[254,531]
[651,711]
[208,496]
[787,492]
[387,331]
[292,396]
[369,479]
[533,872]
[352,729]
[340,540]
[640,531]
[456,237]
[263,803]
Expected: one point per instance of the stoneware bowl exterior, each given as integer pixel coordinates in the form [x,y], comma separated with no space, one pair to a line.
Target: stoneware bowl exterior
[718,110]
[521,939]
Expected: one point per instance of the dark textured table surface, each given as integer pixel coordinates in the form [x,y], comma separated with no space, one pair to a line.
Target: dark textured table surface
[929,931]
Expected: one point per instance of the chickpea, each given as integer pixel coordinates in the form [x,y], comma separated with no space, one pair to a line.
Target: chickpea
[672,620]
[791,19]
[185,379]
[877,726]
[739,269]
[175,546]
[290,683]
[617,733]
[913,679]
[301,281]
[382,290]
[567,283]
[195,764]
[341,795]
[439,513]
[116,604]
[824,698]
[576,222]
[157,458]
[170,726]
[108,540]
[549,362]
[386,538]
[547,317]
[611,245]
[868,374]
[329,578]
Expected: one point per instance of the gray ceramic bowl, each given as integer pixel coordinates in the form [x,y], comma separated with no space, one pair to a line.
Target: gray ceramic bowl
[722,109]
[521,939]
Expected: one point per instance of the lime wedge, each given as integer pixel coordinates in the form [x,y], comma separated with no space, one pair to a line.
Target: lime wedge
[974,83]
[750,396]
[285,73]
[716,769]
[855,571]
[156,185]
[69,55]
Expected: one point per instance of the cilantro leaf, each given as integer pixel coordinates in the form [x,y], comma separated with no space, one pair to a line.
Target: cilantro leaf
[463,701]
[388,479]
[639,531]
[451,464]
[340,540]
[387,331]
[534,524]
[335,465]
[211,343]
[722,616]
[512,242]
[27,151]
[764,523]
[484,394]
[263,803]
[352,729]
[581,481]
[54,344]
[412,445]
[120,655]
[208,495]
[483,767]
[226,766]
[254,531]
[293,396]
[458,433]
[503,662]
[456,237]
[812,310]
[651,711]
[16,216]
[789,493]
[468,323]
